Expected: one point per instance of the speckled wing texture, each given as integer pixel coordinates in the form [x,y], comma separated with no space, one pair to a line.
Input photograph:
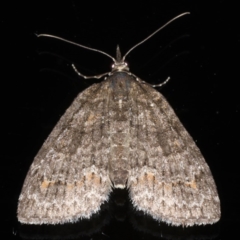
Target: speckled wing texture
[69,178]
[169,178]
[119,133]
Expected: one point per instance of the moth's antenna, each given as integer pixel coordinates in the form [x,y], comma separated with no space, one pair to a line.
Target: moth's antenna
[144,40]
[77,44]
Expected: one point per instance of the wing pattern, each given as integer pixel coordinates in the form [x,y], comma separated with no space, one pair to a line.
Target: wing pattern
[119,133]
[68,178]
[169,178]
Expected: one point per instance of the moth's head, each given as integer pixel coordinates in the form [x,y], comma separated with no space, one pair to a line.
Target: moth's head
[119,63]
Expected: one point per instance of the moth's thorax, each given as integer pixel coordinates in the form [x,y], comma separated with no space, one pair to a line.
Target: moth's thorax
[120,85]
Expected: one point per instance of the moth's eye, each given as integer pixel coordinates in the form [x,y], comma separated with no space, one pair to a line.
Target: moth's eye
[113,66]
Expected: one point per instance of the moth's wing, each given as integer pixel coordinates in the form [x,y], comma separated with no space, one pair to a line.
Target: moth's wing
[68,178]
[170,179]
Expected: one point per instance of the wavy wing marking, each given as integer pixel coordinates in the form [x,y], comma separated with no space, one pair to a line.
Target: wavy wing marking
[170,179]
[68,178]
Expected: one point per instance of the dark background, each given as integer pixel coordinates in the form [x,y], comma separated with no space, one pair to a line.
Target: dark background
[200,52]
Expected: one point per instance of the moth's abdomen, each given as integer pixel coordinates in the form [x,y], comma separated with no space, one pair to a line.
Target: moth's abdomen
[120,116]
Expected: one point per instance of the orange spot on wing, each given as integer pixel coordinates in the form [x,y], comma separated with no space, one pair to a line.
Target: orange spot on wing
[70,186]
[92,118]
[93,178]
[168,187]
[79,184]
[46,184]
[146,179]
[97,180]
[192,184]
[150,177]
[88,177]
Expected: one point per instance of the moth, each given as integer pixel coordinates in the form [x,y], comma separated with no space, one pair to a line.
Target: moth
[119,133]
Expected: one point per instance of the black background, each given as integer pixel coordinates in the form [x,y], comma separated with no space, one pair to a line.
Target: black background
[200,52]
